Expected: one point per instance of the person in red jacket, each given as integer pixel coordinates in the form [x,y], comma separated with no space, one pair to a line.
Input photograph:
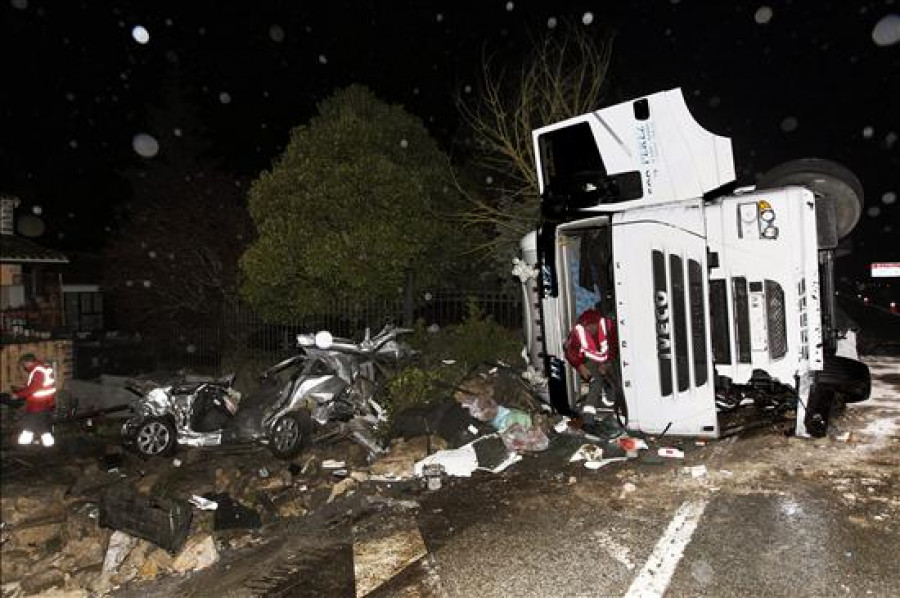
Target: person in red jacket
[40,397]
[591,349]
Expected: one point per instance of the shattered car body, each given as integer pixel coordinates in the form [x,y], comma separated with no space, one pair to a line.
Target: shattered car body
[330,381]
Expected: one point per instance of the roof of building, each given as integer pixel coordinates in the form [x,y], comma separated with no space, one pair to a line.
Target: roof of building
[17,250]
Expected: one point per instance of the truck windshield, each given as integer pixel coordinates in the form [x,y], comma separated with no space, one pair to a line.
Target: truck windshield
[569,159]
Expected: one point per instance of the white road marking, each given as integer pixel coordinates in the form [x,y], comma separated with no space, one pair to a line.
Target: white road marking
[654,577]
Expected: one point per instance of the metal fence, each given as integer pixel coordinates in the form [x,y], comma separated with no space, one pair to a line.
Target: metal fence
[244,335]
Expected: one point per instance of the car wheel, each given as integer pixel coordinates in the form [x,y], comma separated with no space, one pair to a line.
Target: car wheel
[156,437]
[290,433]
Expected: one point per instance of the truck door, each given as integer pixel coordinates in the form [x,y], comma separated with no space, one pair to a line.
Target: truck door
[663,317]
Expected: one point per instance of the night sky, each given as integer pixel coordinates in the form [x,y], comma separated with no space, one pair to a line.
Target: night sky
[784,79]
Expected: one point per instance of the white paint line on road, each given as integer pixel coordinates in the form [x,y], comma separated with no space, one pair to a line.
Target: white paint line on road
[657,572]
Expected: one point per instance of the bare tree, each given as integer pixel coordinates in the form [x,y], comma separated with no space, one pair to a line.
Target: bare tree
[562,76]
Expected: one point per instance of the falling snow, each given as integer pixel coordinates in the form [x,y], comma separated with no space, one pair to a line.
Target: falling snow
[890,139]
[140,34]
[323,59]
[551,22]
[439,17]
[887,30]
[404,143]
[868,132]
[510,6]
[145,145]
[889,198]
[176,131]
[789,124]
[763,15]
[73,144]
[276,33]
[873,212]
[587,18]
[20,4]
[37,210]
[225,97]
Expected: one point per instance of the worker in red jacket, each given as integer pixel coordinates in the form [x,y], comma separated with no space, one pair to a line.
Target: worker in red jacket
[40,397]
[591,349]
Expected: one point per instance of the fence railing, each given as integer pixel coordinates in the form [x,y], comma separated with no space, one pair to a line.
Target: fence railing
[244,335]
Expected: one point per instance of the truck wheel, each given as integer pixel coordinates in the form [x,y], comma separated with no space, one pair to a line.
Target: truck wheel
[156,437]
[828,180]
[290,434]
[848,379]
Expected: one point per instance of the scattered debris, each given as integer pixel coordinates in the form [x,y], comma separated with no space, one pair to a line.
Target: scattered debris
[341,488]
[120,544]
[433,474]
[199,553]
[670,452]
[203,504]
[333,464]
[695,471]
[587,452]
[231,514]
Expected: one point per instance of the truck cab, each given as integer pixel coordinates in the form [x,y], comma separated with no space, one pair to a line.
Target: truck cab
[719,294]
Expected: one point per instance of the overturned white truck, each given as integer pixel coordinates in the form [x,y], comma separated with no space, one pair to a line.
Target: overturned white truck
[720,294]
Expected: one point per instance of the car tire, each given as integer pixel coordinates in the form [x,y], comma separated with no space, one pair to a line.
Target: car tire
[848,379]
[290,434]
[156,437]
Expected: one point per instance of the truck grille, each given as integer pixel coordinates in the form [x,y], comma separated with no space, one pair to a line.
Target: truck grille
[679,321]
[741,318]
[673,312]
[718,309]
[698,322]
[776,320]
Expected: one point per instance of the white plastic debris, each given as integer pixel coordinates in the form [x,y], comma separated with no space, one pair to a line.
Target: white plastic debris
[562,426]
[263,472]
[587,452]
[176,462]
[473,430]
[204,504]
[459,462]
[333,464]
[695,471]
[670,452]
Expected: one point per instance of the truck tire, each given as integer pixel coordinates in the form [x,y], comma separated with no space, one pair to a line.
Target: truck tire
[848,379]
[828,180]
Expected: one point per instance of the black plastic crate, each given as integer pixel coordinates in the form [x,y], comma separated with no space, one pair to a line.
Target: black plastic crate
[165,522]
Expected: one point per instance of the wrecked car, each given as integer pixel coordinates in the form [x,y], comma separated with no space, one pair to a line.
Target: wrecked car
[719,294]
[329,381]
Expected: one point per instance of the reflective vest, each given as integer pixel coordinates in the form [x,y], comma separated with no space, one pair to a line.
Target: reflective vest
[581,345]
[40,393]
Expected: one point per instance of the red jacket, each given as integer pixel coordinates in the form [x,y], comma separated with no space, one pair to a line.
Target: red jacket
[40,393]
[581,344]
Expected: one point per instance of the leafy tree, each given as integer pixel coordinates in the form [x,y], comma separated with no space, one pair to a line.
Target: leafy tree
[563,75]
[359,205]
